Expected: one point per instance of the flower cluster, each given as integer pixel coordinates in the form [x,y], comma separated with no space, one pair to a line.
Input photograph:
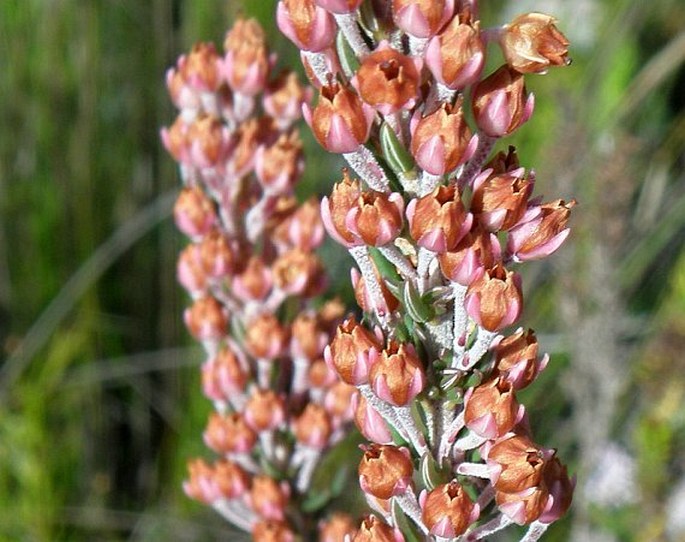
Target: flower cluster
[252,273]
[438,227]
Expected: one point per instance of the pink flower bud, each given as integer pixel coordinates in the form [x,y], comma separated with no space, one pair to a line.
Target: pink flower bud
[313,427]
[272,531]
[495,300]
[477,251]
[206,319]
[341,122]
[448,511]
[501,103]
[438,221]
[397,375]
[189,270]
[307,25]
[456,56]
[441,140]
[269,498]
[339,6]
[385,471]
[246,65]
[224,376]
[371,424]
[350,350]
[540,232]
[265,337]
[422,18]
[264,410]
[491,409]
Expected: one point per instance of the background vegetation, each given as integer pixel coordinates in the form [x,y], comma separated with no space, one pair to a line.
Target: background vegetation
[99,397]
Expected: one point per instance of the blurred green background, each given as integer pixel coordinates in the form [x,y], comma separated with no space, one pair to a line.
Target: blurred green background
[99,397]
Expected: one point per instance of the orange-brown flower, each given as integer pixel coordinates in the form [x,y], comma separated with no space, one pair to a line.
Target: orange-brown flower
[224,375]
[500,200]
[246,65]
[531,43]
[438,221]
[269,498]
[385,470]
[440,140]
[334,210]
[501,103]
[279,166]
[541,231]
[397,375]
[373,529]
[335,528]
[307,25]
[313,427]
[283,99]
[516,358]
[456,56]
[194,212]
[217,254]
[388,304]
[206,319]
[298,272]
[349,352]
[201,68]
[272,531]
[388,80]
[491,409]
[189,270]
[266,337]
[477,251]
[518,463]
[208,142]
[495,300]
[229,434]
[377,217]
[264,410]
[308,338]
[303,228]
[341,122]
[338,402]
[448,510]
[524,507]
[255,282]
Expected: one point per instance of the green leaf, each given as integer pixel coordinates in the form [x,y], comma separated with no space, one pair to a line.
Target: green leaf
[398,158]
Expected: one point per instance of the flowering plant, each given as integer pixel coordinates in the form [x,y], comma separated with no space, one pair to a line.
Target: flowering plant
[438,227]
